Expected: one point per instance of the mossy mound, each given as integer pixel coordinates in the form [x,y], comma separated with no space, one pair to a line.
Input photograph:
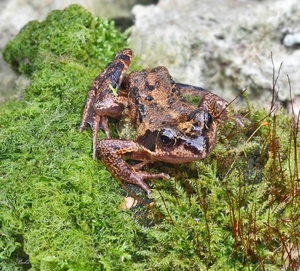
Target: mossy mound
[60,210]
[57,205]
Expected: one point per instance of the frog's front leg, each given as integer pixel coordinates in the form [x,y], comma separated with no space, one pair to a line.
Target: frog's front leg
[110,152]
[101,102]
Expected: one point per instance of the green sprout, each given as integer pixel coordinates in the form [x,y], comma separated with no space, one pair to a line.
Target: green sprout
[114,90]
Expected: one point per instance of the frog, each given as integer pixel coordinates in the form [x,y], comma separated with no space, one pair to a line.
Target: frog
[167,127]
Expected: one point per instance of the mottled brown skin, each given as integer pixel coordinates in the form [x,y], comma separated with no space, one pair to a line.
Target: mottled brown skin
[168,128]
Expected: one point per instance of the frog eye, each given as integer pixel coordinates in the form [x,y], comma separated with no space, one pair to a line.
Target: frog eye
[167,138]
[208,119]
[202,117]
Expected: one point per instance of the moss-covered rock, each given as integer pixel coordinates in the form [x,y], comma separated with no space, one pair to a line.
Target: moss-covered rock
[59,210]
[72,33]
[57,205]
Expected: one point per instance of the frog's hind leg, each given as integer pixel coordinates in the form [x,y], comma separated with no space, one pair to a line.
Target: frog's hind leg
[192,90]
[214,104]
[103,99]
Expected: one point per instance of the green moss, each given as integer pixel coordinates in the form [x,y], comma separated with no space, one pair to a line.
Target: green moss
[238,209]
[57,204]
[71,33]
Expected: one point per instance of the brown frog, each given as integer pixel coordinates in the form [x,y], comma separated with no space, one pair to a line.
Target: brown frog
[168,128]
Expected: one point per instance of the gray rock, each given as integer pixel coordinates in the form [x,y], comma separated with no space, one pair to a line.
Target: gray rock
[14,14]
[224,45]
[291,40]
